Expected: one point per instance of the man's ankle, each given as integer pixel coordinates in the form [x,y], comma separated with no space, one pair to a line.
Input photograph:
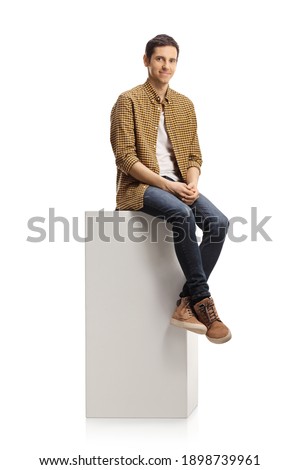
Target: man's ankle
[195,300]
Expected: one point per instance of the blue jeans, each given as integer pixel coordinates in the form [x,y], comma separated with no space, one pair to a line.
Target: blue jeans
[196,261]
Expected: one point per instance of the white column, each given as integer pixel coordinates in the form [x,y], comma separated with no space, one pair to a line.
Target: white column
[137,364]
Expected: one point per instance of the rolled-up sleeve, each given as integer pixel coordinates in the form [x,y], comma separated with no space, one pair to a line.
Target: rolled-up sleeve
[195,156]
[122,134]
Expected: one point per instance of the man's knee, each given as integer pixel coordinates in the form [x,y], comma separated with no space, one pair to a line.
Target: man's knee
[183,214]
[183,223]
[224,222]
[217,227]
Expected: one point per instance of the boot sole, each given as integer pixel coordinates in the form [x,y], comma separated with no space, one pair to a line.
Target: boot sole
[220,340]
[201,329]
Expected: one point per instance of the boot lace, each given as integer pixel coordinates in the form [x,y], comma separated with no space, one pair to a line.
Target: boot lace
[187,305]
[209,311]
[189,309]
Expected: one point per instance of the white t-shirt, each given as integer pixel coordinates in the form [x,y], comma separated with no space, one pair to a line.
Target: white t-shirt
[164,152]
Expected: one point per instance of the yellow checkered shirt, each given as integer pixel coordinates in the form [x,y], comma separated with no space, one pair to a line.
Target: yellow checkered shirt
[134,128]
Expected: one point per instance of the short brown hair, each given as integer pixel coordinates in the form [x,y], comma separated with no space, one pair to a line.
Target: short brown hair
[159,41]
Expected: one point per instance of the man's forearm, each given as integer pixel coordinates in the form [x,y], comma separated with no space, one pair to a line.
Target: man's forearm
[192,175]
[143,174]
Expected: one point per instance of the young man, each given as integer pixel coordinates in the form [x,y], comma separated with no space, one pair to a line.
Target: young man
[158,159]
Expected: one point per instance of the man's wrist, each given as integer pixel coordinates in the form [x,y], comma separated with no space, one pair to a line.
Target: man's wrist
[192,175]
[192,181]
[163,183]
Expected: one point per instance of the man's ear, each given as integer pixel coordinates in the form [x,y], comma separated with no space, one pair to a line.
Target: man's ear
[146,61]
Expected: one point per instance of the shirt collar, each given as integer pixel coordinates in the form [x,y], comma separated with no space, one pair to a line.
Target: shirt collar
[154,96]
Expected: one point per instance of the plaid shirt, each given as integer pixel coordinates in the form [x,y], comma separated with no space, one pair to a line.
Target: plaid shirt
[134,127]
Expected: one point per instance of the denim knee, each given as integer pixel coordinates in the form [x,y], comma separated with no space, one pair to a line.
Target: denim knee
[183,214]
[218,228]
[224,222]
[183,223]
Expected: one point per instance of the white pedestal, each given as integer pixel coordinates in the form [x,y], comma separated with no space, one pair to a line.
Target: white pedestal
[137,364]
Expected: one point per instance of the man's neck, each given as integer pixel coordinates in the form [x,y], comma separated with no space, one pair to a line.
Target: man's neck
[161,90]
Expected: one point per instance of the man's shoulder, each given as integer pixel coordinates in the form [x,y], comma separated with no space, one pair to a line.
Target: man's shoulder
[133,92]
[180,98]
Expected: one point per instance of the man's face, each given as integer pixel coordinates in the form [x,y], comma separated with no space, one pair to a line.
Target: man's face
[162,65]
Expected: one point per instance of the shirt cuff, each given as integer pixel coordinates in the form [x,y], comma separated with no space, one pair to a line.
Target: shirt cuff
[193,163]
[125,164]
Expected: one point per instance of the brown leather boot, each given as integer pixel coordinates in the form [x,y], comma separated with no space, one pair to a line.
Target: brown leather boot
[206,312]
[184,317]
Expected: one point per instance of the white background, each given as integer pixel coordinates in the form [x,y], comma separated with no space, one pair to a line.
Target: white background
[63,64]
